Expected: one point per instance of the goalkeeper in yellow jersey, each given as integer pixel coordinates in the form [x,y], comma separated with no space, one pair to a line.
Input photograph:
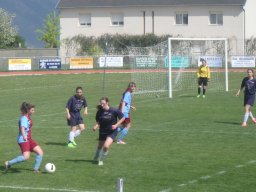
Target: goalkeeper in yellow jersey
[203,75]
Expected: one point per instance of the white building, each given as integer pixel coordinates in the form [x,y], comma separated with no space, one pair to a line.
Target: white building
[250,16]
[185,18]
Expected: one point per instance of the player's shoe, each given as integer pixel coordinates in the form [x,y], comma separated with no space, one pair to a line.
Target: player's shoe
[100,163]
[74,143]
[244,124]
[120,142]
[203,96]
[70,145]
[198,96]
[6,165]
[254,120]
[36,171]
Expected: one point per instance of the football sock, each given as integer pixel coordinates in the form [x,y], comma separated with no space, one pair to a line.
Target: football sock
[38,161]
[103,154]
[78,132]
[18,159]
[246,115]
[119,129]
[124,132]
[97,154]
[204,90]
[199,90]
[251,115]
[71,136]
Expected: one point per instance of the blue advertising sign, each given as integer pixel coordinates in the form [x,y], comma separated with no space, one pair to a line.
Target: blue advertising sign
[178,61]
[50,63]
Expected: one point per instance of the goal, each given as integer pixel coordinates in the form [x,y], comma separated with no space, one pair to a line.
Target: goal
[184,55]
[172,65]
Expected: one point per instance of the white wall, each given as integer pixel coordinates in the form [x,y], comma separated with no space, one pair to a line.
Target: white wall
[250,18]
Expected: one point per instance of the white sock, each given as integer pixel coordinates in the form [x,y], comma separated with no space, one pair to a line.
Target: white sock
[246,115]
[78,132]
[103,154]
[71,136]
[251,115]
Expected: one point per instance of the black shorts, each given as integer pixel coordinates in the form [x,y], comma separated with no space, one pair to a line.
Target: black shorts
[203,81]
[103,135]
[249,100]
[75,120]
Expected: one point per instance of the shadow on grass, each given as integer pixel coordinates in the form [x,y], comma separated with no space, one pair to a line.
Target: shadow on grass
[228,122]
[81,160]
[55,143]
[13,170]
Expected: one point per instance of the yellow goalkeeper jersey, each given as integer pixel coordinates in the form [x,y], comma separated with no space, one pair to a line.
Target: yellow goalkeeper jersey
[204,71]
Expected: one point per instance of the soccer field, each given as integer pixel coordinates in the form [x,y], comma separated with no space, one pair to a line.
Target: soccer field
[183,144]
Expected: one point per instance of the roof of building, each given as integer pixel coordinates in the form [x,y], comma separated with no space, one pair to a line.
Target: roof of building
[127,3]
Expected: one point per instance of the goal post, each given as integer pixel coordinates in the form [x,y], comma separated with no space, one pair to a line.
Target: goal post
[188,52]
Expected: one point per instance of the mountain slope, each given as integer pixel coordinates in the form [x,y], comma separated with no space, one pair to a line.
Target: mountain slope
[29,17]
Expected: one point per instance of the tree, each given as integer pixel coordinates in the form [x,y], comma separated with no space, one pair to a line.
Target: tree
[8,32]
[50,31]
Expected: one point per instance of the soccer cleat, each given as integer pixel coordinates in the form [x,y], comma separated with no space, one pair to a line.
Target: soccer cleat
[36,171]
[244,124]
[100,163]
[254,120]
[203,96]
[70,145]
[120,142]
[74,143]
[6,165]
[198,96]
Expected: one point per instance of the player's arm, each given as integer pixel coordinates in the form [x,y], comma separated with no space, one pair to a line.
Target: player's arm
[118,123]
[241,88]
[208,74]
[85,111]
[68,113]
[22,129]
[96,126]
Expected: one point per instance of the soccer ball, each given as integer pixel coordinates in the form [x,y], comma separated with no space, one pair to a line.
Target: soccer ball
[49,168]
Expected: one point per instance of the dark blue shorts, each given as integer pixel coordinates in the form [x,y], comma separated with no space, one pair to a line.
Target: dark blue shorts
[249,100]
[112,134]
[75,120]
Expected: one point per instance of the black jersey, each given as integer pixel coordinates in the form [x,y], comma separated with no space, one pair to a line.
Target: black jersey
[75,104]
[249,86]
[107,118]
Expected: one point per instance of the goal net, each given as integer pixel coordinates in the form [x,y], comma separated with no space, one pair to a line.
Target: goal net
[184,59]
[171,66]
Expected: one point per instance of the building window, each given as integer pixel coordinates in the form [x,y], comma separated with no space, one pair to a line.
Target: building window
[117,19]
[181,19]
[216,18]
[85,20]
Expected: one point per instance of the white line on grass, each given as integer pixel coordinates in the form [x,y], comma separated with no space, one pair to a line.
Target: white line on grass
[206,177]
[41,189]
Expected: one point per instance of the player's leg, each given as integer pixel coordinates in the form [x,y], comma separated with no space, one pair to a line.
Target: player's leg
[71,136]
[105,148]
[199,87]
[25,156]
[98,150]
[246,115]
[204,86]
[125,130]
[38,159]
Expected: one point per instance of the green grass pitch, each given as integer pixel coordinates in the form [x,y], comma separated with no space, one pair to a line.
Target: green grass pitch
[184,144]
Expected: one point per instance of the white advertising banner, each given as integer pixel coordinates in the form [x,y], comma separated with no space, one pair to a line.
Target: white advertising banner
[243,61]
[19,64]
[111,61]
[212,61]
